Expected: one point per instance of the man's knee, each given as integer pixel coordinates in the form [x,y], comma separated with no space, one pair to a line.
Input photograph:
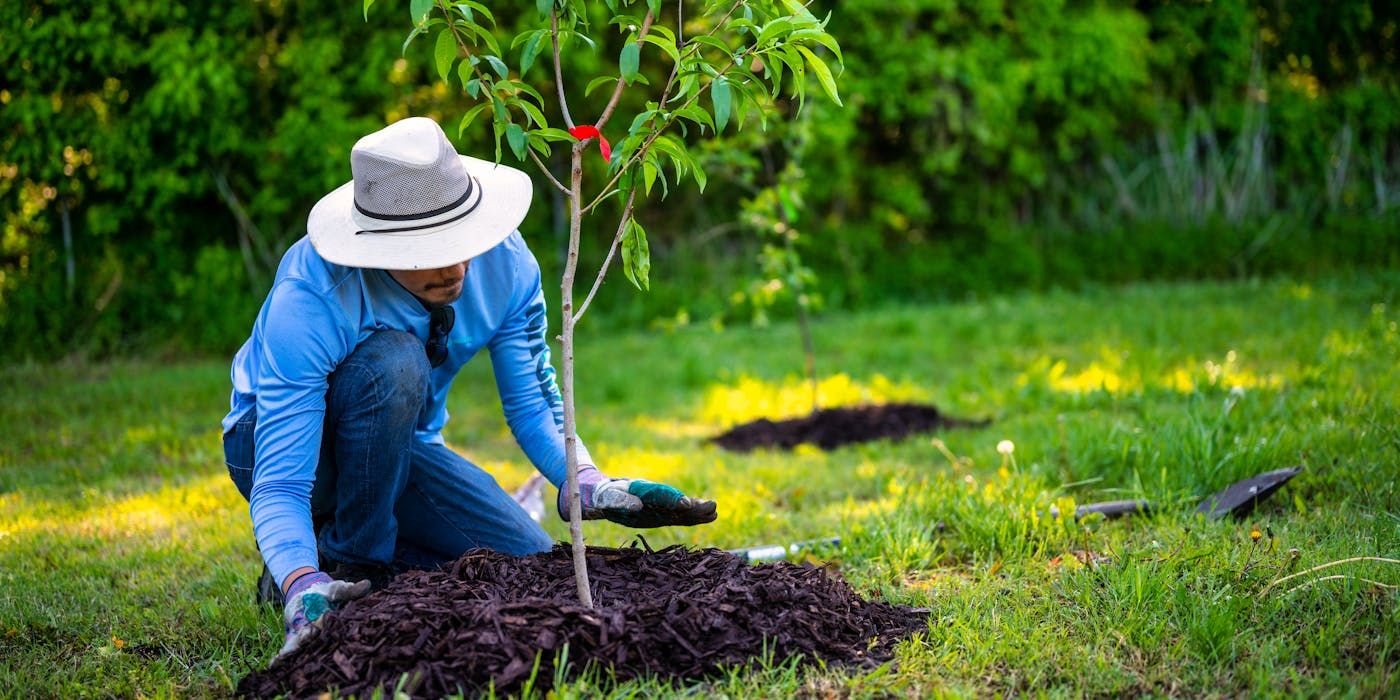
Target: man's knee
[394,361]
[533,540]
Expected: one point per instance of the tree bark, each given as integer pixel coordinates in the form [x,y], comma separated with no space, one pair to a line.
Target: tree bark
[807,349]
[68,267]
[585,592]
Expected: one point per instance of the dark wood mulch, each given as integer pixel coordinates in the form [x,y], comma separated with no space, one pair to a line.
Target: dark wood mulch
[833,427]
[674,613]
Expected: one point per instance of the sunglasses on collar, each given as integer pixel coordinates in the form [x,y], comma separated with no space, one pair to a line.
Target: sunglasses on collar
[440,323]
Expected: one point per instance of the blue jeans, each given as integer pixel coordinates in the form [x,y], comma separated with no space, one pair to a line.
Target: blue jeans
[381,496]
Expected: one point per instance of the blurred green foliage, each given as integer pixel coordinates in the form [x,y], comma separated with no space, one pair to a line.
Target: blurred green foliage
[983,146]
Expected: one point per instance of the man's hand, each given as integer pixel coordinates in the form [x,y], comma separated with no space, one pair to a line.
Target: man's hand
[309,598]
[635,502]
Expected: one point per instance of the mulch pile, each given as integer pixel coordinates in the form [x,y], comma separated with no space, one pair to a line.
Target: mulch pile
[673,613]
[833,427]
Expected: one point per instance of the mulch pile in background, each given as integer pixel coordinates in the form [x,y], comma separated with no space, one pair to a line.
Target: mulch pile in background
[673,613]
[833,427]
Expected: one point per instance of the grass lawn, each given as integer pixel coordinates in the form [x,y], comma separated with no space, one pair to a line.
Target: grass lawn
[127,561]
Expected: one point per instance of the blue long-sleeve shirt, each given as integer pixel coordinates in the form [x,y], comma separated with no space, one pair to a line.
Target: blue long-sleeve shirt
[315,316]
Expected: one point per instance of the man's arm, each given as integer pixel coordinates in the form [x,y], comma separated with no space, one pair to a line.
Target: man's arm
[530,397]
[302,344]
[535,412]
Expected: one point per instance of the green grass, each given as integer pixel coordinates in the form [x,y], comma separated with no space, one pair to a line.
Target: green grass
[126,557]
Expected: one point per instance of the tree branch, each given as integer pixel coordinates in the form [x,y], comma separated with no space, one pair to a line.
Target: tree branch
[552,180]
[603,270]
[559,71]
[617,89]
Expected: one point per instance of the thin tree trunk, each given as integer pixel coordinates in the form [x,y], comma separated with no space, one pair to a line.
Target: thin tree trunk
[808,350]
[798,291]
[69,267]
[585,593]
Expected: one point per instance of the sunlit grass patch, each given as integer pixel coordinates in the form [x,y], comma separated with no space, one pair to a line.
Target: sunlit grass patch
[1110,374]
[747,398]
[165,512]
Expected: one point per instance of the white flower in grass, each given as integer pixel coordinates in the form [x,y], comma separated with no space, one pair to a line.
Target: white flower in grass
[1237,391]
[1006,447]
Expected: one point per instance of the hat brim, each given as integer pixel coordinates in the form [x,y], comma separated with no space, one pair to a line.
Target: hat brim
[505,198]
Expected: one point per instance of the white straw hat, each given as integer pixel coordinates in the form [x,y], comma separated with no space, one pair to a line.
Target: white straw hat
[415,204]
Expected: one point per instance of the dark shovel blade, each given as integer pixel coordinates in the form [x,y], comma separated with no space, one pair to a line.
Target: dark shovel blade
[1239,498]
[1108,509]
[1113,509]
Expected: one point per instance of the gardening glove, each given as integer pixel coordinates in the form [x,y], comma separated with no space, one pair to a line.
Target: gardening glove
[635,502]
[310,597]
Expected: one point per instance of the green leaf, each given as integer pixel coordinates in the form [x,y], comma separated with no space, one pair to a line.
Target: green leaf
[553,134]
[708,40]
[698,115]
[649,173]
[533,112]
[823,73]
[470,116]
[663,32]
[544,6]
[482,9]
[792,60]
[464,74]
[532,49]
[516,137]
[592,45]
[773,70]
[411,36]
[473,86]
[819,37]
[445,53]
[497,65]
[623,21]
[667,46]
[538,144]
[367,4]
[719,95]
[639,121]
[487,37]
[596,82]
[629,61]
[744,23]
[418,10]
[636,256]
[748,97]
[686,86]
[771,30]
[525,88]
[673,148]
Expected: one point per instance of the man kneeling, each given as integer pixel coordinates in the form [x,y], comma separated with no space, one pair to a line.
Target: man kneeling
[339,395]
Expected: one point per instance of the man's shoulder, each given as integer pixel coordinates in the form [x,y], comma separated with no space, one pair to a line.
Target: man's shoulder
[303,264]
[509,251]
[509,260]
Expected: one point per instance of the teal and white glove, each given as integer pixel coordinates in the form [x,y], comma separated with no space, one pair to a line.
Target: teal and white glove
[309,598]
[635,502]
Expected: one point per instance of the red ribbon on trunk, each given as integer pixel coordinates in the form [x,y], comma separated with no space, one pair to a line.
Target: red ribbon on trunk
[588,131]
